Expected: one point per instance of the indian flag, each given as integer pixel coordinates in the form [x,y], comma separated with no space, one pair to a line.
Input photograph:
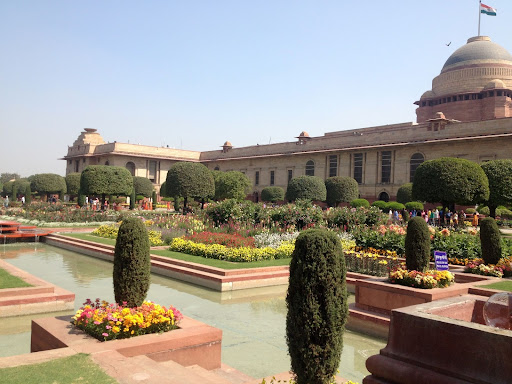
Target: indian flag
[487,10]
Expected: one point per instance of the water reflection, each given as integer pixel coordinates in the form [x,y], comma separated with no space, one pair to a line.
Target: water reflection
[253,321]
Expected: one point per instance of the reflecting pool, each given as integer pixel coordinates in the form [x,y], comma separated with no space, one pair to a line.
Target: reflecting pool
[253,321]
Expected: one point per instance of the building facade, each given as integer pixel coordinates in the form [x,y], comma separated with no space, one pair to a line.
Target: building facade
[466,114]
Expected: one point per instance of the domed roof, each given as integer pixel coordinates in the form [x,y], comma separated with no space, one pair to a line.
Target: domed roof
[428,95]
[495,84]
[227,144]
[478,50]
[304,134]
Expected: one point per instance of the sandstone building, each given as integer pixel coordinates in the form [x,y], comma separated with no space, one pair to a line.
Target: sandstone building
[467,114]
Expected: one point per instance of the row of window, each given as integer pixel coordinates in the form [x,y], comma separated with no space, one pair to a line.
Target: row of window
[472,96]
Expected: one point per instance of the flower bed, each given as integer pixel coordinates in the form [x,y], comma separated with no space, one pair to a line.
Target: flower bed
[371,261]
[427,280]
[226,239]
[109,231]
[105,321]
[502,269]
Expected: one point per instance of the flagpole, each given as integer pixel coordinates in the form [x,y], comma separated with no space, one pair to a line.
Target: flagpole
[479,16]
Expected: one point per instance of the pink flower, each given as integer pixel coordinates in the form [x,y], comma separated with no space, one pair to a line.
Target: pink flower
[104,334]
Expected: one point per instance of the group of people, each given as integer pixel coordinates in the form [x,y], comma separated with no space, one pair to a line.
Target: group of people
[433,217]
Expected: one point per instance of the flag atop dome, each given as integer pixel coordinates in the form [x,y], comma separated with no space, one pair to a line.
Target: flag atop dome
[487,10]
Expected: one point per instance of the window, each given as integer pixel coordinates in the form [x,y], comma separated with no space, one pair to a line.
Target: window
[358,167]
[385,167]
[384,196]
[272,177]
[290,174]
[310,168]
[257,178]
[152,171]
[77,165]
[107,162]
[216,168]
[333,165]
[131,167]
[416,160]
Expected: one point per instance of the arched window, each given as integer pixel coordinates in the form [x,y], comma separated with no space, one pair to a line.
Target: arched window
[131,167]
[310,168]
[384,196]
[107,162]
[216,168]
[416,160]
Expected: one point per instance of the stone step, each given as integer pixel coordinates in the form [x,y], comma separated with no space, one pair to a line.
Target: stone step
[208,375]
[37,298]
[233,375]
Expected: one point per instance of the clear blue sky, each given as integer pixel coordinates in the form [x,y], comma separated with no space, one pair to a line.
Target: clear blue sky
[193,74]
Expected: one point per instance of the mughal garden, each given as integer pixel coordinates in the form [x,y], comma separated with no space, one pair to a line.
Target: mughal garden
[432,267]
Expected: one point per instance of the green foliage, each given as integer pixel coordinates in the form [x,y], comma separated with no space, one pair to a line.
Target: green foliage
[470,210]
[132,199]
[359,203]
[106,180]
[81,199]
[28,194]
[483,210]
[6,177]
[382,205]
[131,263]
[306,187]
[231,210]
[231,185]
[490,239]
[450,180]
[272,194]
[189,180]
[300,215]
[73,183]
[48,183]
[404,193]
[366,237]
[499,174]
[163,190]
[153,198]
[341,189]
[18,185]
[143,186]
[349,219]
[414,205]
[417,245]
[317,307]
[395,206]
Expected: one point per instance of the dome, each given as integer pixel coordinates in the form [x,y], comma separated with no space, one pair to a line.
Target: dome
[495,84]
[227,144]
[478,50]
[304,134]
[428,95]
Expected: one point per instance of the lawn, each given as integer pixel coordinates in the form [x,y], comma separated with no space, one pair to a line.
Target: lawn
[74,369]
[185,257]
[9,281]
[505,285]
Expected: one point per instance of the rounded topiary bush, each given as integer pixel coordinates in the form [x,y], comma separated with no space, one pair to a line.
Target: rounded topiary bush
[404,193]
[414,205]
[395,206]
[272,194]
[317,306]
[306,187]
[341,189]
[131,263]
[417,245]
[382,205]
[356,203]
[490,240]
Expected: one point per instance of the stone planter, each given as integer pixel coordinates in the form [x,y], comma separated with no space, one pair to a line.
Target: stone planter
[194,343]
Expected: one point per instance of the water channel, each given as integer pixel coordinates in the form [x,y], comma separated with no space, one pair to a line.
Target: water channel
[253,321]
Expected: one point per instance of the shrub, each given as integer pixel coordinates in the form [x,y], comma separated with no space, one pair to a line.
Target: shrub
[490,239]
[471,211]
[404,193]
[382,205]
[317,307]
[341,189]
[414,205]
[306,187]
[272,194]
[395,206]
[48,183]
[73,183]
[231,185]
[131,263]
[143,187]
[360,203]
[417,245]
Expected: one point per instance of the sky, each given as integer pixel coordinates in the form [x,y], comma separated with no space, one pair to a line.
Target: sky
[193,74]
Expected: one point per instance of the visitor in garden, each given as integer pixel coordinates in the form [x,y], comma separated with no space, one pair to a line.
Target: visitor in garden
[455,219]
[6,201]
[475,219]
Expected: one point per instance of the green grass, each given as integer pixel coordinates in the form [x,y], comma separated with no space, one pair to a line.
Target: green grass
[502,286]
[9,281]
[79,369]
[185,257]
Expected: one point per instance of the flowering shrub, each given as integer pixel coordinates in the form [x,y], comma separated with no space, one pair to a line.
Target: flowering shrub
[105,321]
[429,279]
[109,231]
[221,252]
[226,239]
[371,261]
[478,267]
[392,240]
[273,240]
[273,380]
[58,213]
[348,218]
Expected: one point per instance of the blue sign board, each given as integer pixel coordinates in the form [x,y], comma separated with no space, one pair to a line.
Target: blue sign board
[441,261]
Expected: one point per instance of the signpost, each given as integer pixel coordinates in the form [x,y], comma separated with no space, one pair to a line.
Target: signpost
[441,261]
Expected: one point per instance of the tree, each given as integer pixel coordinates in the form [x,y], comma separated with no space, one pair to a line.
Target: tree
[48,183]
[317,306]
[404,193]
[16,186]
[450,180]
[163,190]
[6,176]
[272,194]
[143,186]
[132,263]
[499,174]
[306,187]
[189,180]
[73,183]
[341,189]
[106,180]
[231,185]
[417,245]
[490,241]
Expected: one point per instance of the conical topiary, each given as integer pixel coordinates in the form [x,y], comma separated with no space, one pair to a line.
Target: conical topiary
[490,240]
[417,245]
[317,306]
[131,263]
